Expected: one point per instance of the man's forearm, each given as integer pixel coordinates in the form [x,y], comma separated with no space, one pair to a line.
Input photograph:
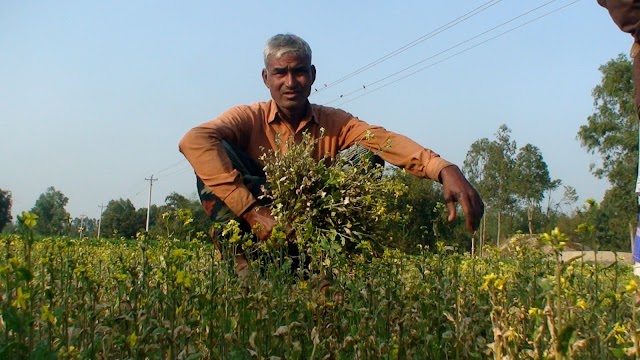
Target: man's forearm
[211,163]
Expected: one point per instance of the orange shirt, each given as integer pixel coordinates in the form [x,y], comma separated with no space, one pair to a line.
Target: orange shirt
[255,127]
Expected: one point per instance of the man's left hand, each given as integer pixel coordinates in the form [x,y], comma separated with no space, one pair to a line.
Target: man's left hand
[457,189]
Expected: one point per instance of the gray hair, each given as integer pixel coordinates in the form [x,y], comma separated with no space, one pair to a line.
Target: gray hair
[281,44]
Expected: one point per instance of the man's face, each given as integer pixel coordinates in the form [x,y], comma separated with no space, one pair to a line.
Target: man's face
[289,79]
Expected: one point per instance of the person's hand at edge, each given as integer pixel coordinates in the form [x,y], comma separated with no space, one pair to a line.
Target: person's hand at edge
[457,189]
[262,222]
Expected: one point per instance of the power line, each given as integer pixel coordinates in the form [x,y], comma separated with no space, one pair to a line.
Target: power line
[179,171]
[448,57]
[134,190]
[413,43]
[440,53]
[179,162]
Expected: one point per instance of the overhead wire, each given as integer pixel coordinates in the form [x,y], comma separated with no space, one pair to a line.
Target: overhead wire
[438,54]
[413,43]
[179,171]
[170,167]
[368,87]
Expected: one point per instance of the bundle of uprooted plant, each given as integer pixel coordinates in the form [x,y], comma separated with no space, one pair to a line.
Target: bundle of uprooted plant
[333,205]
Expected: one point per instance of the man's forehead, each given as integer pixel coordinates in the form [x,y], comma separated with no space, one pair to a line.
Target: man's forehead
[289,59]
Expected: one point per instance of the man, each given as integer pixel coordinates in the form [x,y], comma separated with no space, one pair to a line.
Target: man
[626,14]
[218,149]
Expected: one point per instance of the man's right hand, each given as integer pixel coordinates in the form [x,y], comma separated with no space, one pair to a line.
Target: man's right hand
[262,222]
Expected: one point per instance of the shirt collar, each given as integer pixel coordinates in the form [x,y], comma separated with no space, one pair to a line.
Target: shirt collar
[311,115]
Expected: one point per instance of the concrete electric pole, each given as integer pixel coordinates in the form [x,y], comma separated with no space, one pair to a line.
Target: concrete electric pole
[101,206]
[150,180]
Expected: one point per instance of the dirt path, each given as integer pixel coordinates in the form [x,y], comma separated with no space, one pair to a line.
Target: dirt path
[603,256]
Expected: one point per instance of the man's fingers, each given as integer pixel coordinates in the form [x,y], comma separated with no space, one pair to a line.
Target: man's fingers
[288,230]
[469,212]
[458,190]
[473,212]
[451,207]
[470,223]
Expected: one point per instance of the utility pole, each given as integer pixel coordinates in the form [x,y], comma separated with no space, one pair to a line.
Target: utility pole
[150,180]
[101,206]
[82,217]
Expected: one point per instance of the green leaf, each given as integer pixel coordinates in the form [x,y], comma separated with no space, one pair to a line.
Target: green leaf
[13,350]
[197,355]
[564,337]
[618,353]
[42,352]
[12,319]
[24,274]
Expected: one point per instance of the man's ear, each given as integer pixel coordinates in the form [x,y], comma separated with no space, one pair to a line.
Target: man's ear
[313,74]
[264,77]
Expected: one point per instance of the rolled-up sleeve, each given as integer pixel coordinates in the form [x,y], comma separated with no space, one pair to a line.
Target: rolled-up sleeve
[394,148]
[202,147]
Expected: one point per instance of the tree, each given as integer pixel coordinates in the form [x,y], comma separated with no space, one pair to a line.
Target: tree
[87,227]
[179,217]
[5,208]
[533,180]
[490,168]
[569,198]
[424,219]
[612,132]
[121,219]
[53,218]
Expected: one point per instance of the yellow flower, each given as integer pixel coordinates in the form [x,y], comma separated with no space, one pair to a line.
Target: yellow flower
[488,279]
[28,219]
[47,315]
[581,304]
[183,278]
[619,329]
[534,311]
[302,285]
[21,299]
[120,277]
[584,228]
[179,253]
[132,339]
[5,269]
[631,286]
[83,271]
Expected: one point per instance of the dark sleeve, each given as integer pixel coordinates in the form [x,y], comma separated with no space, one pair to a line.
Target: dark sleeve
[626,14]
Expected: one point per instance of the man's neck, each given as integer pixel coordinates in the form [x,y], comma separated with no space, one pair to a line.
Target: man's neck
[293,117]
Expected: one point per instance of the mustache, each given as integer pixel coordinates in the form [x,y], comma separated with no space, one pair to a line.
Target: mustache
[293,90]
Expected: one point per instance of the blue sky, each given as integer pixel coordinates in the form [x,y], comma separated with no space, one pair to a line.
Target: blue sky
[95,95]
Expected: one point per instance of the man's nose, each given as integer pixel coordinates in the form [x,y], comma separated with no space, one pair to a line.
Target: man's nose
[290,80]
